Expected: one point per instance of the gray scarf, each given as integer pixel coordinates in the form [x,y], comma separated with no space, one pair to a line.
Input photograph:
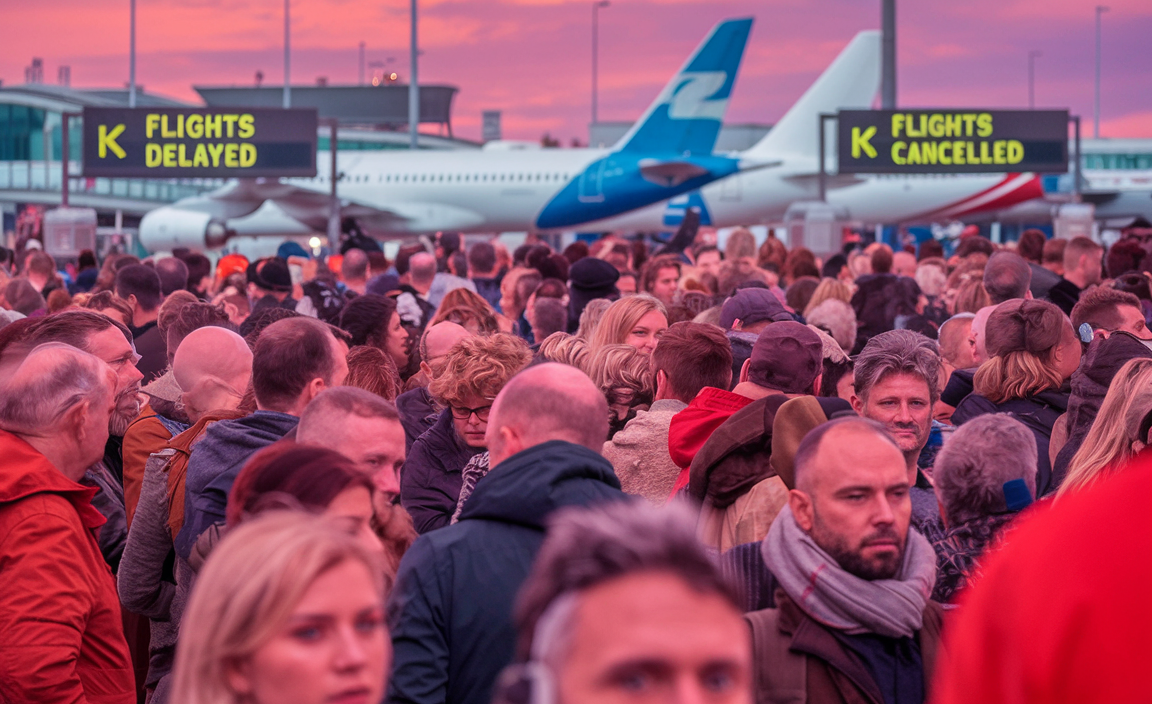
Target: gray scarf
[837,599]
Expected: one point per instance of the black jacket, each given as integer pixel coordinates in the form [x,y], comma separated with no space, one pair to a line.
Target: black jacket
[1089,386]
[1038,413]
[450,613]
[418,413]
[431,478]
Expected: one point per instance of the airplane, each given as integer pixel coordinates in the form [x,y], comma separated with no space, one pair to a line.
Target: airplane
[792,145]
[667,152]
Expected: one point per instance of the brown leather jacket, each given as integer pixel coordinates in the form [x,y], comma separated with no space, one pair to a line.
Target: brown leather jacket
[798,661]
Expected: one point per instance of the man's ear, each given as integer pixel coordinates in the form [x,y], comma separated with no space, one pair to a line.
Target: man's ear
[75,420]
[857,404]
[426,369]
[737,324]
[315,387]
[816,384]
[132,301]
[744,370]
[802,509]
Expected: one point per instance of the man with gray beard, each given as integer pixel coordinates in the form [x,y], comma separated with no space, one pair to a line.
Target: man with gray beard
[111,342]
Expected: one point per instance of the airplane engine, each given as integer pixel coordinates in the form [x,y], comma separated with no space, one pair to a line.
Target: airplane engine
[166,228]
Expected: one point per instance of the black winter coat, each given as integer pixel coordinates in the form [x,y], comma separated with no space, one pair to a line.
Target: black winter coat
[1038,413]
[450,613]
[431,478]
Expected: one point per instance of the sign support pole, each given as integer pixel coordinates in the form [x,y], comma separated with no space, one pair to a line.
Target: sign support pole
[64,149]
[822,178]
[334,203]
[1076,164]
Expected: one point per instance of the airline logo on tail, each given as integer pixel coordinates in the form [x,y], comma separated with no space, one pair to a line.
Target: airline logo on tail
[685,118]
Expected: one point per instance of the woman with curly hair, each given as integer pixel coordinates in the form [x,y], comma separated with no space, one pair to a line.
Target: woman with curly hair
[474,372]
[623,374]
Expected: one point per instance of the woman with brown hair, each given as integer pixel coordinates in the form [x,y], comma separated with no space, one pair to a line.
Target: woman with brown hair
[635,320]
[1032,353]
[372,319]
[468,310]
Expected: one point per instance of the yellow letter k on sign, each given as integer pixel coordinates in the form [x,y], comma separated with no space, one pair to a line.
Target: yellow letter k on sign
[860,142]
[108,141]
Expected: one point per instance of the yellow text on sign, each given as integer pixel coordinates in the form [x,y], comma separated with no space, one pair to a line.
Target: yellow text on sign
[171,155]
[197,126]
[107,140]
[860,142]
[958,152]
[942,125]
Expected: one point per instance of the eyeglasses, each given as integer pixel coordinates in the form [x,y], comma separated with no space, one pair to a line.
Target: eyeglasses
[481,413]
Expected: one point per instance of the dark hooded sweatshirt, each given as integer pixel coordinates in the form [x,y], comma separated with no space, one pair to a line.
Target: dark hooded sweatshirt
[214,464]
[450,613]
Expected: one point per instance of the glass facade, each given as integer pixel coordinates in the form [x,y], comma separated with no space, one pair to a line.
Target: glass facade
[1118,161]
[21,133]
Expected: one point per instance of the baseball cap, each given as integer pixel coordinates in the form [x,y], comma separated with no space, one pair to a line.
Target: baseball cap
[787,357]
[752,305]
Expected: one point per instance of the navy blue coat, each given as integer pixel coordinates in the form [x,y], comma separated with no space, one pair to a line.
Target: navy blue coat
[450,613]
[433,473]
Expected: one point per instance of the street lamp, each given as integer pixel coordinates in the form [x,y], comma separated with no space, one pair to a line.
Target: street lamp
[361,81]
[1100,10]
[413,91]
[1032,55]
[287,63]
[132,54]
[595,29]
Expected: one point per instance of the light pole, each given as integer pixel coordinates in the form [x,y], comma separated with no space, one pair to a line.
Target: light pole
[1032,55]
[413,90]
[132,54]
[287,61]
[361,82]
[1100,10]
[595,50]
[888,54]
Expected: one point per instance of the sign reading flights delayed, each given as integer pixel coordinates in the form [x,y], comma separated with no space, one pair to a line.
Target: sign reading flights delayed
[199,142]
[953,141]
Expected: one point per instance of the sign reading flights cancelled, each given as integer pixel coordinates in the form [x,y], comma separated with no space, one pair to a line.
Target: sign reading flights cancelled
[953,141]
[199,142]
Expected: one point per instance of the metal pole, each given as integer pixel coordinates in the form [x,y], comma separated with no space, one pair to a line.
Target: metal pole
[287,61]
[413,90]
[132,54]
[1032,77]
[1076,164]
[596,54]
[888,55]
[361,81]
[334,202]
[821,179]
[64,159]
[1100,10]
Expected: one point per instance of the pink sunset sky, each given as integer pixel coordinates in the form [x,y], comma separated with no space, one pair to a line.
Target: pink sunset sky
[531,58]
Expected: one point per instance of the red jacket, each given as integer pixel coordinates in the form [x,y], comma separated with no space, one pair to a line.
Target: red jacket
[61,638]
[691,427]
[1063,612]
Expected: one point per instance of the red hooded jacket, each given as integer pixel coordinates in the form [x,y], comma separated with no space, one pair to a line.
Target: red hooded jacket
[691,427]
[61,638]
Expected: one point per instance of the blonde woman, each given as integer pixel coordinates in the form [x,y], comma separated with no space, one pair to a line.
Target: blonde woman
[635,320]
[623,374]
[828,289]
[288,609]
[1118,432]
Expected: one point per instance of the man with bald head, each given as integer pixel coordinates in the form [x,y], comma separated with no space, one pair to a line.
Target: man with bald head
[213,367]
[904,264]
[853,578]
[450,613]
[960,383]
[63,639]
[354,270]
[418,409]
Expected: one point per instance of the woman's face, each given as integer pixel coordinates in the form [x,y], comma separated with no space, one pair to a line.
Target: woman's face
[334,647]
[397,342]
[470,419]
[643,334]
[352,510]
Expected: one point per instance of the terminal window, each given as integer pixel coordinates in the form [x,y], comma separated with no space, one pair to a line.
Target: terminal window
[21,133]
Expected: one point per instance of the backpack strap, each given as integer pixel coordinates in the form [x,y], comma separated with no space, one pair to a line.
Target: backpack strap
[781,675]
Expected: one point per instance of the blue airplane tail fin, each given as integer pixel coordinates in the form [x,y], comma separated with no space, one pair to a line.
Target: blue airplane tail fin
[686,117]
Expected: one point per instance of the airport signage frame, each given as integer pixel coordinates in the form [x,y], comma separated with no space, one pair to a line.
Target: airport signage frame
[215,142]
[952,141]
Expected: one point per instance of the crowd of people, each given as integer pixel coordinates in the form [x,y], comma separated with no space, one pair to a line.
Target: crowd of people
[607,474]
